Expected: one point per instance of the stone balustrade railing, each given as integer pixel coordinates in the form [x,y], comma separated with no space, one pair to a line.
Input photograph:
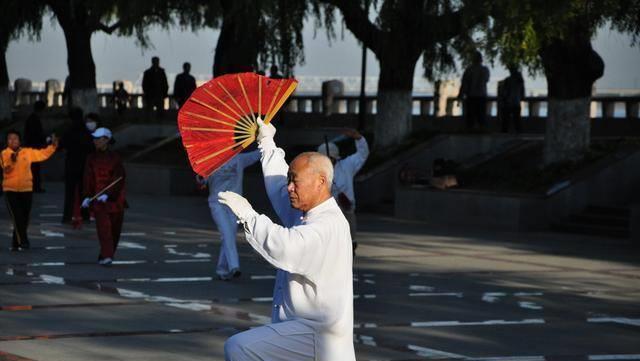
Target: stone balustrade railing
[601,106]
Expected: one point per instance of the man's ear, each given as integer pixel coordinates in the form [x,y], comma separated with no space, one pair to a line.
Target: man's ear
[323,180]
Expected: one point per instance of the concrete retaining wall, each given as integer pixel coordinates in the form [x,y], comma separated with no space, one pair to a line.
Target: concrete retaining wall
[378,185]
[614,183]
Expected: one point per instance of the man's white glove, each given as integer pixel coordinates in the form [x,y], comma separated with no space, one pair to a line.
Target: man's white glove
[238,204]
[85,202]
[102,198]
[265,131]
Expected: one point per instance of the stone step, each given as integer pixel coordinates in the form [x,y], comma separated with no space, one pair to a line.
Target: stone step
[600,219]
[607,210]
[592,229]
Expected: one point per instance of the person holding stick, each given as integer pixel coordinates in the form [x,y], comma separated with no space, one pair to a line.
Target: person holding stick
[17,183]
[104,192]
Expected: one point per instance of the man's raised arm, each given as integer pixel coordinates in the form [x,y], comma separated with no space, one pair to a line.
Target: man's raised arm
[275,169]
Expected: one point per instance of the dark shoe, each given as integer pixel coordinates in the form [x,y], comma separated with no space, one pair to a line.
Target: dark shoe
[234,273]
[224,278]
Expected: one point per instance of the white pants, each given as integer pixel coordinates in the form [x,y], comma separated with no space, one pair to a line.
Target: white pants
[285,341]
[228,227]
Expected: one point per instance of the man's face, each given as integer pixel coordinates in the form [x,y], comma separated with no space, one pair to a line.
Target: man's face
[305,186]
[13,141]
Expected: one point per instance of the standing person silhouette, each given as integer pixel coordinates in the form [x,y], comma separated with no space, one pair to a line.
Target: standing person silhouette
[78,145]
[34,138]
[155,87]
[184,85]
[473,92]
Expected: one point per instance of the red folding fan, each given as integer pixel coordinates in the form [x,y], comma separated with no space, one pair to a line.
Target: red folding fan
[218,121]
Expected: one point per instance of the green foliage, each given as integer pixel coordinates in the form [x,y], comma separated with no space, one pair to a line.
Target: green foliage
[281,24]
[19,18]
[518,29]
[439,30]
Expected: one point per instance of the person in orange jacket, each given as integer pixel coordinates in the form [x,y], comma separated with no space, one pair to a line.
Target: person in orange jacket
[104,191]
[17,183]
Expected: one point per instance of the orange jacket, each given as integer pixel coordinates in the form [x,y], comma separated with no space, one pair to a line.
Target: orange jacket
[17,175]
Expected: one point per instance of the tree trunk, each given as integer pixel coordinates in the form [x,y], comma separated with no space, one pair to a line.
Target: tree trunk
[238,43]
[395,85]
[571,67]
[5,97]
[82,69]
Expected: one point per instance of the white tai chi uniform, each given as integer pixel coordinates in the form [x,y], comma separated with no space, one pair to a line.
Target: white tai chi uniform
[343,173]
[313,295]
[228,178]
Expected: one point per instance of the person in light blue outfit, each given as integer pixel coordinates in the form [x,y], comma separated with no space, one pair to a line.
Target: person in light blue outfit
[227,178]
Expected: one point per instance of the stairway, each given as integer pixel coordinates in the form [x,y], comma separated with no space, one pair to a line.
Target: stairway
[597,220]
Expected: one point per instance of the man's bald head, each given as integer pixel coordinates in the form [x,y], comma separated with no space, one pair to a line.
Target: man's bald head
[310,179]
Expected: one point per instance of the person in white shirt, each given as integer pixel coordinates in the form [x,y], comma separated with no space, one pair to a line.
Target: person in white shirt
[313,297]
[227,178]
[343,173]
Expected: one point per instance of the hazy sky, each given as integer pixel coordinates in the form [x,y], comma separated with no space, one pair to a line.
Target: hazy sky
[120,58]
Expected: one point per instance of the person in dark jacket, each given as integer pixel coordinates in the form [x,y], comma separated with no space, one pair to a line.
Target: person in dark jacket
[512,94]
[104,192]
[78,144]
[184,85]
[34,137]
[155,87]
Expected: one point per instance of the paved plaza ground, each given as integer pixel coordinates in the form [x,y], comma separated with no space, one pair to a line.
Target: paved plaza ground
[422,292]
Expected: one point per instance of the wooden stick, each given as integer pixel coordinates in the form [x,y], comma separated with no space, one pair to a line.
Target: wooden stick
[240,116]
[245,117]
[105,189]
[210,119]
[260,96]
[246,98]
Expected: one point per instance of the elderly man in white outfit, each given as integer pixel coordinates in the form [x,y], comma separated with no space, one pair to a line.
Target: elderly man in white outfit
[343,173]
[228,178]
[313,296]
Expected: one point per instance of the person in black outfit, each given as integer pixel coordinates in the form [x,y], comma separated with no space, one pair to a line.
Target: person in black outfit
[34,137]
[511,96]
[184,85]
[78,144]
[473,92]
[121,99]
[155,87]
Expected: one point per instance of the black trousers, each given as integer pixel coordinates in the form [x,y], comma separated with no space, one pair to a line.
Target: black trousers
[511,116]
[475,111]
[19,205]
[37,179]
[72,188]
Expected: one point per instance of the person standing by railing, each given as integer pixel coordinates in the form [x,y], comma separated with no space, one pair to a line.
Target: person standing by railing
[473,92]
[155,87]
[511,93]
[184,85]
